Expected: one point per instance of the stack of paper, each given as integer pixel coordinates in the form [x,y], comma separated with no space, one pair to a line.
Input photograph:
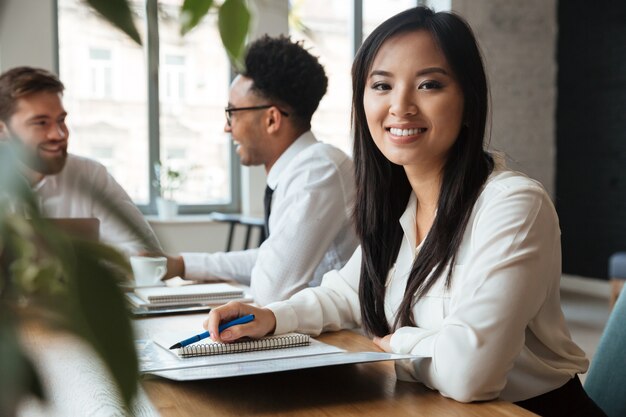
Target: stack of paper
[189,296]
[155,358]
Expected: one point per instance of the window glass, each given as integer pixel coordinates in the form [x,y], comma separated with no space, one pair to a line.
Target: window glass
[194,79]
[324,26]
[375,12]
[105,74]
[100,66]
[440,5]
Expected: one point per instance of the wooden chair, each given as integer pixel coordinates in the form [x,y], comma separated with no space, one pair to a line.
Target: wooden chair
[235,220]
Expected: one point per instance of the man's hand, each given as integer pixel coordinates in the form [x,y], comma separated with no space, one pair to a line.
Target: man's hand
[175,267]
[175,264]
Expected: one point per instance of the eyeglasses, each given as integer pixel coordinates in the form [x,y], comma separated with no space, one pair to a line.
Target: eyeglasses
[230,110]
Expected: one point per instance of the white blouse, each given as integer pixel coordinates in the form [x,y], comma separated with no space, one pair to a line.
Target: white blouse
[498,331]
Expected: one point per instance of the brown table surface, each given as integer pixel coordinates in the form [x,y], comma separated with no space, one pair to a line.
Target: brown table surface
[368,389]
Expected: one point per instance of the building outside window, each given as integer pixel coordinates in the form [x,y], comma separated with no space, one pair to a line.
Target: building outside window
[101,68]
[174,77]
[107,102]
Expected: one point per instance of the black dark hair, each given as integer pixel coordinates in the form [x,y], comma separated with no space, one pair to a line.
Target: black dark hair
[286,74]
[383,189]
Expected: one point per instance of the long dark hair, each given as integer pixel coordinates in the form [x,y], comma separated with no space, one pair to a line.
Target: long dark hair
[383,189]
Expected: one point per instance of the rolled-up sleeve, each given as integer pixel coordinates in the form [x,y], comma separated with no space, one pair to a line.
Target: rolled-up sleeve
[332,306]
[221,265]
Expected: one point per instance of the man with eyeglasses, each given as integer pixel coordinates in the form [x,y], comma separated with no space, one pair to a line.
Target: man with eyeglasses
[310,185]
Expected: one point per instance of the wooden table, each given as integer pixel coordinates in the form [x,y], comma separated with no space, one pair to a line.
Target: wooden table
[77,385]
[369,389]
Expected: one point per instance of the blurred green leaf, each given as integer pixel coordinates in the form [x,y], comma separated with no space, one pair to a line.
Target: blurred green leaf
[108,254]
[234,23]
[18,378]
[192,12]
[15,192]
[72,283]
[100,316]
[118,13]
[63,281]
[295,19]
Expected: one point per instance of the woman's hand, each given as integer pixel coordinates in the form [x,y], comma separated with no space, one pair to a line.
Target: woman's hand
[264,322]
[384,342]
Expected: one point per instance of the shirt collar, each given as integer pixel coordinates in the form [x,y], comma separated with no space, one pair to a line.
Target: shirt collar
[48,185]
[42,183]
[408,221]
[304,141]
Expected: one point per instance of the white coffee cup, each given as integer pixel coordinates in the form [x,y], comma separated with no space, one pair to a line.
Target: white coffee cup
[148,271]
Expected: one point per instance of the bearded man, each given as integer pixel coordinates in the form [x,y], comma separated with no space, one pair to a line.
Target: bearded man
[32,118]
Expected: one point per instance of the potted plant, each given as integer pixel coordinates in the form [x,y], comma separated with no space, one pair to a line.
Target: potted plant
[65,282]
[167,181]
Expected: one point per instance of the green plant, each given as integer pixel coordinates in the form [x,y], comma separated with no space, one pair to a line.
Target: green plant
[61,281]
[233,21]
[167,180]
[64,281]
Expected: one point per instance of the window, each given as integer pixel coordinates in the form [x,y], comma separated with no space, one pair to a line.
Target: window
[174,77]
[327,28]
[375,12]
[110,102]
[324,26]
[101,70]
[179,119]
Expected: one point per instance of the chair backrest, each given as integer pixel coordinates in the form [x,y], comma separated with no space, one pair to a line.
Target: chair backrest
[248,222]
[606,381]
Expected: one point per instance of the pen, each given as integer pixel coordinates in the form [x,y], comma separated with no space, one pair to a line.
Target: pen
[193,339]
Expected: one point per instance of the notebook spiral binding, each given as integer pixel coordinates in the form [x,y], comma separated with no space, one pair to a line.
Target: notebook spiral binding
[278,342]
[194,297]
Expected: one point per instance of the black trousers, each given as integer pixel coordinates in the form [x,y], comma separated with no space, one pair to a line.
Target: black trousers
[570,400]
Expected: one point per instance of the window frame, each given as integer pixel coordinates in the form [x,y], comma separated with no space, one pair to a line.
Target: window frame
[154,134]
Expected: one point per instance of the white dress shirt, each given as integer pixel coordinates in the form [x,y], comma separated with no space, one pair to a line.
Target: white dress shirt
[61,196]
[310,226]
[498,331]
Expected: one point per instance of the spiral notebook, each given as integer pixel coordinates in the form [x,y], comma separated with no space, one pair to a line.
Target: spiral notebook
[209,347]
[156,359]
[202,293]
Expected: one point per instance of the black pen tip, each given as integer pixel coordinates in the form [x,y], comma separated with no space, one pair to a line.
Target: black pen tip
[176,346]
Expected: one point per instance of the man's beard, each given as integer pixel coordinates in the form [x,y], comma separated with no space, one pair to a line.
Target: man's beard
[37,160]
[48,165]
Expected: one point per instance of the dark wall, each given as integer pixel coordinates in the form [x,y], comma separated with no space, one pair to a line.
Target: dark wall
[591,133]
